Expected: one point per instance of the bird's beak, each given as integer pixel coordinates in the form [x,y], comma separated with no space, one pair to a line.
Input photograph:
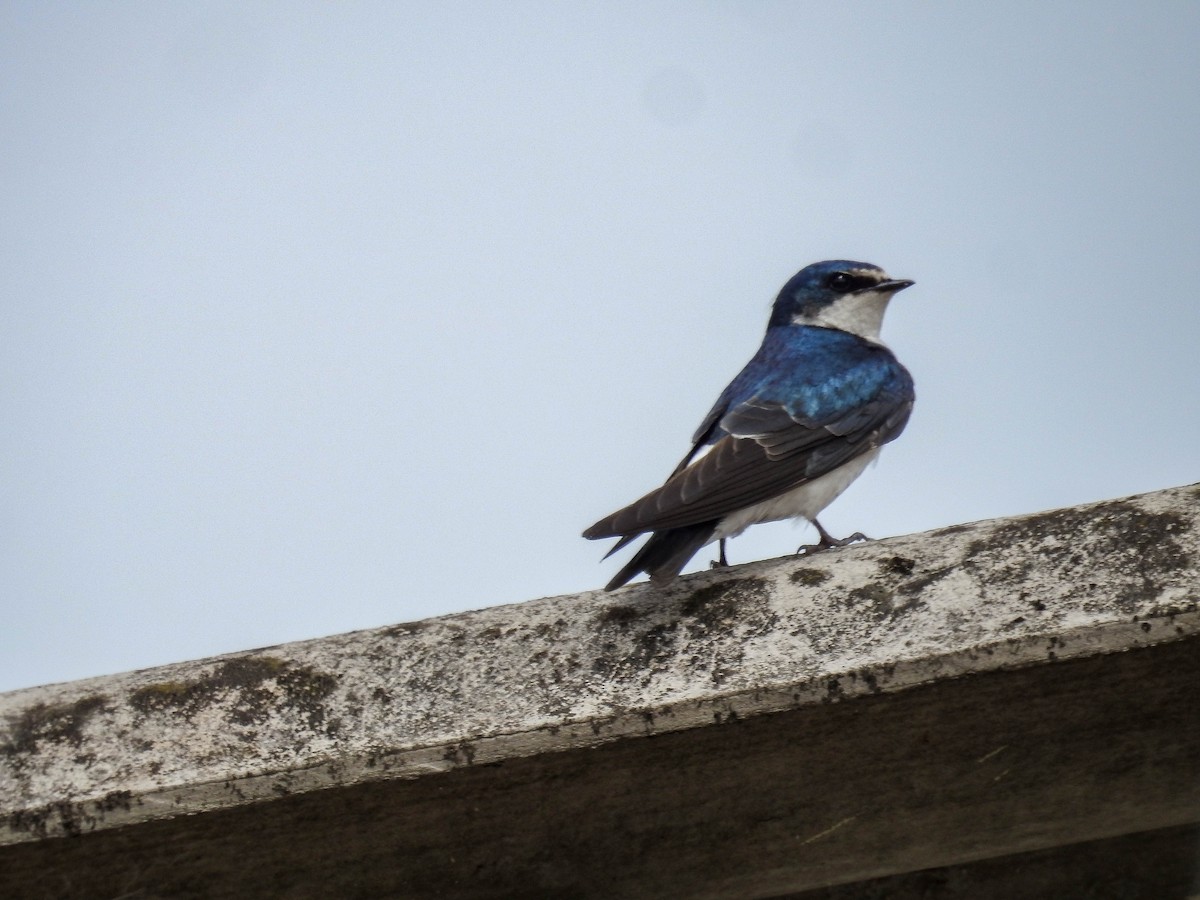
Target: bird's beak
[896,284]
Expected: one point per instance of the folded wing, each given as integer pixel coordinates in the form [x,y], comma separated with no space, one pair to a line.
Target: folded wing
[786,434]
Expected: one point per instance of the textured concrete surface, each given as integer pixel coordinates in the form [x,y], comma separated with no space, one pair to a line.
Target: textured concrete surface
[1002,628]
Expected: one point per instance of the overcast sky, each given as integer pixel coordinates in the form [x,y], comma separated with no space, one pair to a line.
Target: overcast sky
[317,317]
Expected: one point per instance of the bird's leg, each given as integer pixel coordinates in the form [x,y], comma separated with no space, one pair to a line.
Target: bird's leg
[828,541]
[720,562]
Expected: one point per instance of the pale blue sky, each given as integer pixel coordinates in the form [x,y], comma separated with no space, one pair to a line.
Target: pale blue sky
[316,317]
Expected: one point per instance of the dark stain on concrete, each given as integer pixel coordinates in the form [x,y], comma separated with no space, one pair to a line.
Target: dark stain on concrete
[405,629]
[809,577]
[653,645]
[880,603]
[918,583]
[461,754]
[870,679]
[55,723]
[69,818]
[726,600]
[248,680]
[951,530]
[876,599]
[898,565]
[833,690]
[618,615]
[122,800]
[707,633]
[63,816]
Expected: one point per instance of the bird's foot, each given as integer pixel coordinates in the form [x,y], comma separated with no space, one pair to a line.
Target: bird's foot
[828,541]
[720,562]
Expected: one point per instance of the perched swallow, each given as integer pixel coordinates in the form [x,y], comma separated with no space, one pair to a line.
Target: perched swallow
[800,422]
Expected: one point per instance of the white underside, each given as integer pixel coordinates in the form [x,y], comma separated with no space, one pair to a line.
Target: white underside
[804,502]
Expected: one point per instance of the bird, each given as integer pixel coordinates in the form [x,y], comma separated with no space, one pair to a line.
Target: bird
[803,419]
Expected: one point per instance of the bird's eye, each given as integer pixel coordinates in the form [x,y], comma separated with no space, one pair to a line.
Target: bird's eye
[841,281]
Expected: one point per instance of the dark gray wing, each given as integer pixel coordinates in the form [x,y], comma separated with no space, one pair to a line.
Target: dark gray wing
[769,448]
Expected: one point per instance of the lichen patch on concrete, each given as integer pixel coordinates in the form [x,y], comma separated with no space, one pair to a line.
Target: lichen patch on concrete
[253,688]
[53,723]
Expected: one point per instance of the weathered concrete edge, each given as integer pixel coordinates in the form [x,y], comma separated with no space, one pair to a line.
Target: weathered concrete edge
[118,808]
[1169,614]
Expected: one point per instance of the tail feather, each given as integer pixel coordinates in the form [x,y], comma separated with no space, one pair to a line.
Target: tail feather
[623,542]
[664,554]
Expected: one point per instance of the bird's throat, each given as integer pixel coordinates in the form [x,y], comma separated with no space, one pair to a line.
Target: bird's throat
[860,314]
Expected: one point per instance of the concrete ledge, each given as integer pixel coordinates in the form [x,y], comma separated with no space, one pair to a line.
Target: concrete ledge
[921,701]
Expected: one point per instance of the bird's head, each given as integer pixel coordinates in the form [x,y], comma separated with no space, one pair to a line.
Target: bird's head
[837,293]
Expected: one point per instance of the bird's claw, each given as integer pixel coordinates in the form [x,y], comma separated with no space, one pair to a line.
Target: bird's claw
[828,542]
